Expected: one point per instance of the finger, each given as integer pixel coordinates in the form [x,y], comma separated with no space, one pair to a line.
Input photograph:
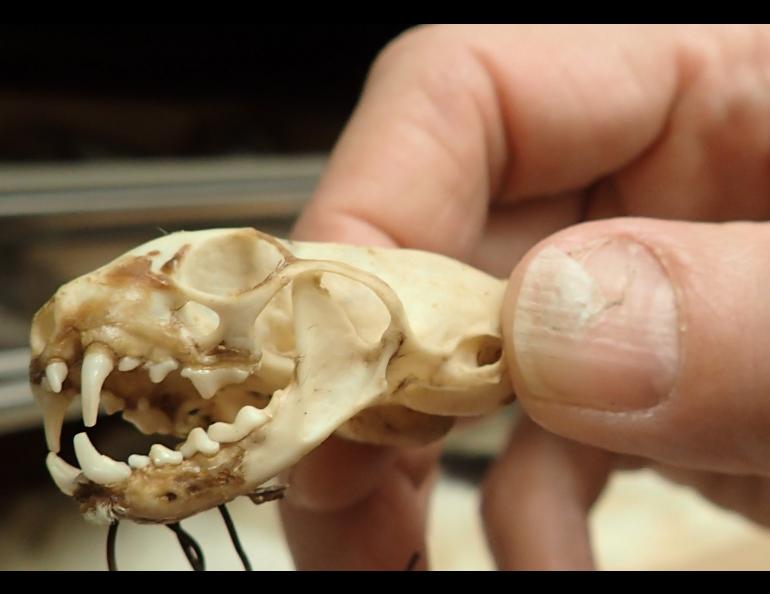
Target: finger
[452,117]
[648,338]
[382,530]
[536,500]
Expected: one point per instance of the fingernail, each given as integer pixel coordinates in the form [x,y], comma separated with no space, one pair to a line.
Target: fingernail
[597,327]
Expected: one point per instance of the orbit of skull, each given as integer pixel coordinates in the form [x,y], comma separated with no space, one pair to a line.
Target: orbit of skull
[254,350]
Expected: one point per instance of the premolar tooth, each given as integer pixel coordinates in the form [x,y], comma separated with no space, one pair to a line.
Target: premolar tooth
[137,461]
[248,419]
[159,371]
[63,474]
[97,365]
[54,409]
[199,441]
[56,373]
[97,467]
[209,381]
[112,403]
[161,455]
[129,363]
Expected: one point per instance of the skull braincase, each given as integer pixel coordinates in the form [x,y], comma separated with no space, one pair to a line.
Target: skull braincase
[281,343]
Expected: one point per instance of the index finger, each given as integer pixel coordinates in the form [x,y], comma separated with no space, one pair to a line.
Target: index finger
[454,117]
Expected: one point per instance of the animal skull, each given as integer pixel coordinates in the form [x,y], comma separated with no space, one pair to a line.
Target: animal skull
[254,350]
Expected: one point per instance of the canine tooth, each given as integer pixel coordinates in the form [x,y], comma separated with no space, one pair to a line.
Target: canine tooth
[137,461]
[56,373]
[54,408]
[97,365]
[99,468]
[63,474]
[247,420]
[209,381]
[161,455]
[199,441]
[159,371]
[129,363]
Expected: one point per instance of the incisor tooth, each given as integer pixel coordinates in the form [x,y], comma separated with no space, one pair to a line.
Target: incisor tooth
[199,441]
[56,373]
[97,365]
[63,474]
[99,468]
[248,419]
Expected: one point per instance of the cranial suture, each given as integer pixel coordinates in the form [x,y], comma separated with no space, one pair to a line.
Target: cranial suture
[253,350]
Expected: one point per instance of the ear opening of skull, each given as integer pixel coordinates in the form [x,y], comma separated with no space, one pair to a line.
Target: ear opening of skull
[251,351]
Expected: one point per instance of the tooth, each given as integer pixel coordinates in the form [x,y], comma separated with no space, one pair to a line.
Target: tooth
[56,373]
[209,381]
[129,363]
[159,371]
[63,474]
[136,461]
[247,420]
[199,441]
[54,409]
[161,455]
[97,365]
[101,469]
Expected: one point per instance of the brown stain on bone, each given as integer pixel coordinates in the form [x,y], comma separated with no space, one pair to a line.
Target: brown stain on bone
[135,271]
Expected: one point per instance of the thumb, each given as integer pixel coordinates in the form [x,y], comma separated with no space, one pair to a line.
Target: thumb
[649,338]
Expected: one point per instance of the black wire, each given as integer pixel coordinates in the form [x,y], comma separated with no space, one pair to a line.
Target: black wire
[190,548]
[234,537]
[413,561]
[112,534]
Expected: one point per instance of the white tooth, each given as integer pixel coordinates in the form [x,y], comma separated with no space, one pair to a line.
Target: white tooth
[159,371]
[54,409]
[63,474]
[199,441]
[137,461]
[128,363]
[248,419]
[97,365]
[209,381]
[56,373]
[161,455]
[99,468]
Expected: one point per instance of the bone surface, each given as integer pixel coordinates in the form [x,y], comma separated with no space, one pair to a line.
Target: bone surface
[253,350]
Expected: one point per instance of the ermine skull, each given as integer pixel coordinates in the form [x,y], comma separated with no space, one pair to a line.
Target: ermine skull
[254,350]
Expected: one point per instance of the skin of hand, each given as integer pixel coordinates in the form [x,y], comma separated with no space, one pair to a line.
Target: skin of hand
[623,175]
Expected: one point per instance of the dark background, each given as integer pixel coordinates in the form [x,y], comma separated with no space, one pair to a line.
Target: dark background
[89,91]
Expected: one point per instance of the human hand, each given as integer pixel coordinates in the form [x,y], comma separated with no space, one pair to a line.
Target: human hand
[631,341]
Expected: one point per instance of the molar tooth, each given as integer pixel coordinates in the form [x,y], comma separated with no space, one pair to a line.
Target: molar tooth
[97,365]
[63,474]
[129,363]
[209,381]
[99,468]
[159,371]
[56,373]
[247,420]
[161,455]
[137,461]
[199,441]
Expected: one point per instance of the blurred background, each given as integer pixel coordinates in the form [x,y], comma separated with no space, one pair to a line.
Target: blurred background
[111,135]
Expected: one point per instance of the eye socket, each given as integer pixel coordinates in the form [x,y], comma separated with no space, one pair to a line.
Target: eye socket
[230,263]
